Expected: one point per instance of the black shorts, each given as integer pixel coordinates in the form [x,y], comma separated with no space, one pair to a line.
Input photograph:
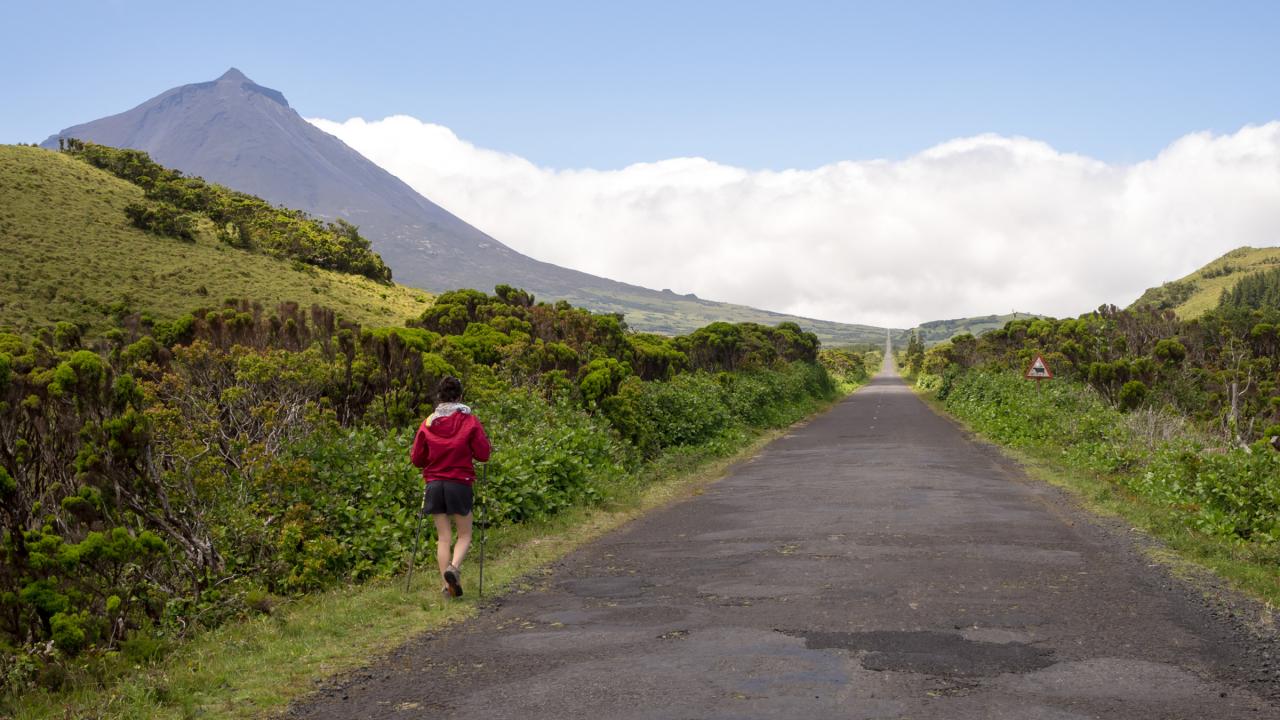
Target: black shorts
[448,498]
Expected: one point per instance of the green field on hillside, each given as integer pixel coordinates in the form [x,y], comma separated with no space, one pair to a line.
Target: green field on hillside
[71,254]
[1197,293]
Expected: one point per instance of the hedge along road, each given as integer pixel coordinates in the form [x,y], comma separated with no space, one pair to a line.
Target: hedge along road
[873,563]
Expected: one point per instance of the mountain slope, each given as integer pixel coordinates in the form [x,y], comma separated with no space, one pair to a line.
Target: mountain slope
[1197,293]
[70,253]
[937,331]
[235,132]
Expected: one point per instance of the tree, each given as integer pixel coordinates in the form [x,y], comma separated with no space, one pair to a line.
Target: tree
[914,353]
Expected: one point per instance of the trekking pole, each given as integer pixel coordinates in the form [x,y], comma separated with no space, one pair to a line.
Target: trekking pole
[417,536]
[484,517]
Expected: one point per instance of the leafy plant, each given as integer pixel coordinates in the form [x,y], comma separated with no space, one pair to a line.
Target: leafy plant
[168,476]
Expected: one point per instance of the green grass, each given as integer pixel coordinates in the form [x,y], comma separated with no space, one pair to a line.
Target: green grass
[1248,568]
[69,253]
[1207,284]
[255,668]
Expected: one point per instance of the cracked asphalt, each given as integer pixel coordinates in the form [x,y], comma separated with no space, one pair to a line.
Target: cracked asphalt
[873,563]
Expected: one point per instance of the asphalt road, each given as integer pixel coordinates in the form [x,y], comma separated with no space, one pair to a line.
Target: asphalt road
[874,563]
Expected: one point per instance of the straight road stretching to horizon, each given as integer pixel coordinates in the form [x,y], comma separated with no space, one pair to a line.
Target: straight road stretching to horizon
[873,563]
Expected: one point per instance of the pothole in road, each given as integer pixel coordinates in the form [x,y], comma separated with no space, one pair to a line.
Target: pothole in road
[608,587]
[929,653]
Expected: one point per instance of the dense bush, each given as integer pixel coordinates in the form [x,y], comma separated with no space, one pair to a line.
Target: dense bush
[168,476]
[1235,494]
[162,220]
[551,456]
[851,366]
[1232,493]
[1184,413]
[1221,370]
[687,410]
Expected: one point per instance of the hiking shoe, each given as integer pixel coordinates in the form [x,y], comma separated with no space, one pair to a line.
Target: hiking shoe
[453,576]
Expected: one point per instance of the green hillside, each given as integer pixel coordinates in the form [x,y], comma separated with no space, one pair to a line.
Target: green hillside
[1197,293]
[937,331]
[71,254]
[59,217]
[675,314]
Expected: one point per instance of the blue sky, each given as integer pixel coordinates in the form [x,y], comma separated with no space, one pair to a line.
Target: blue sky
[604,84]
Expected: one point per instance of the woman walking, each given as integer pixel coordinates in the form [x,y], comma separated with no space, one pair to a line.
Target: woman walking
[446,447]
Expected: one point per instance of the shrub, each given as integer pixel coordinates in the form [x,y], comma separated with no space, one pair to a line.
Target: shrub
[162,219]
[686,410]
[600,378]
[1170,350]
[1133,394]
[928,382]
[68,631]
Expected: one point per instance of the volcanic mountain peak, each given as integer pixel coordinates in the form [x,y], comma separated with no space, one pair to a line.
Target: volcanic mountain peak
[240,134]
[234,75]
[223,131]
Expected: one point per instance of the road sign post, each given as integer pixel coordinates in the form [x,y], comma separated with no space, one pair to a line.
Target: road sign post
[1038,371]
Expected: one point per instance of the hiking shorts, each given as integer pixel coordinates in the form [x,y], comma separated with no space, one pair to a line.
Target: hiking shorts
[448,498]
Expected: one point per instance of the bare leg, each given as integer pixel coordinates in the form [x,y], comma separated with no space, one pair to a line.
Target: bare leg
[444,540]
[464,538]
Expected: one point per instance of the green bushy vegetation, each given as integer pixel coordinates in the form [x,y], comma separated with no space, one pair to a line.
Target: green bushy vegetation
[1221,371]
[163,477]
[164,220]
[851,366]
[72,255]
[1182,415]
[169,461]
[911,359]
[243,221]
[1231,493]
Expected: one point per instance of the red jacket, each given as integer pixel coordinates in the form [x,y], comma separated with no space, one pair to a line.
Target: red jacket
[448,442]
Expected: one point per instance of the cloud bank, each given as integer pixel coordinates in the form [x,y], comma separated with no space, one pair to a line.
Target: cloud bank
[973,226]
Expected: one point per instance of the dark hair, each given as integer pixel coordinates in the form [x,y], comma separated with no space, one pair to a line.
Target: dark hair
[449,389]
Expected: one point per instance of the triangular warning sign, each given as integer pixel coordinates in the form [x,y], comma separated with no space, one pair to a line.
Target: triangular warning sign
[1039,369]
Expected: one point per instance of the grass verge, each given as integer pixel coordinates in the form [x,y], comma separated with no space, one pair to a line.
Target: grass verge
[255,668]
[1186,552]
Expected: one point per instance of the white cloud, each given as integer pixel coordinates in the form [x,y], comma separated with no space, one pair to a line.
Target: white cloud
[973,226]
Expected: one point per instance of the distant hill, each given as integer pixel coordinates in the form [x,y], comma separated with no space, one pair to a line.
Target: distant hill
[70,254]
[938,331]
[1197,293]
[245,136]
